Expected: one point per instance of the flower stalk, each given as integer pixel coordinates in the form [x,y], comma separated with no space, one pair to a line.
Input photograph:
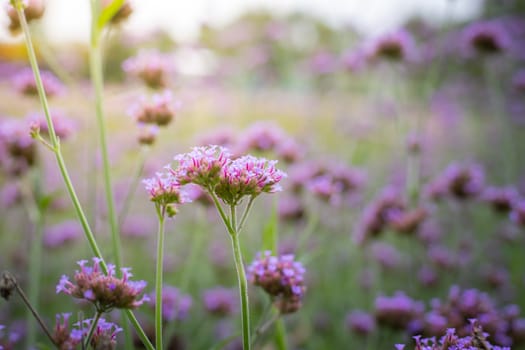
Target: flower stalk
[161,213]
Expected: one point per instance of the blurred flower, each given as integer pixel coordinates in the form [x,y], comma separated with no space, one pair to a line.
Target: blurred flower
[220,301]
[105,335]
[323,62]
[161,110]
[396,311]
[33,9]
[65,338]
[517,214]
[485,37]
[62,125]
[62,233]
[24,82]
[395,46]
[104,291]
[224,137]
[459,181]
[281,277]
[17,148]
[123,12]
[360,322]
[147,134]
[386,255]
[175,305]
[501,199]
[152,67]
[290,208]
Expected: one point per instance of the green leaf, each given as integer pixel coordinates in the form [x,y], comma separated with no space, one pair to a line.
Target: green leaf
[270,234]
[108,12]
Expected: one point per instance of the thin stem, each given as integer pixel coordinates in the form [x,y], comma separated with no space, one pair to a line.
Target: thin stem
[7,276]
[280,335]
[158,279]
[94,323]
[224,218]
[243,291]
[140,332]
[245,214]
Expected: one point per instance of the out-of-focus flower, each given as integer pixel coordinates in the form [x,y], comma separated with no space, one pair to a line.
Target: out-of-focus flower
[152,67]
[360,322]
[220,301]
[17,148]
[458,181]
[104,291]
[104,336]
[24,82]
[62,233]
[175,305]
[485,37]
[33,9]
[323,62]
[386,255]
[224,137]
[501,199]
[396,311]
[395,46]
[161,110]
[147,134]
[290,208]
[123,12]
[517,214]
[281,277]
[65,338]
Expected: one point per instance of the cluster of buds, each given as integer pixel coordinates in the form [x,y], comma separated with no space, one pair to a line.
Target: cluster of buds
[396,46]
[397,311]
[105,291]
[281,277]
[33,9]
[164,189]
[104,336]
[64,337]
[220,301]
[457,181]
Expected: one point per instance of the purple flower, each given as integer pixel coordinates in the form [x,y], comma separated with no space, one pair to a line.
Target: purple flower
[501,199]
[175,305]
[161,110]
[517,214]
[24,82]
[104,336]
[459,181]
[164,189]
[360,322]
[62,233]
[395,46]
[104,291]
[396,311]
[152,67]
[62,125]
[64,337]
[518,80]
[220,301]
[281,277]
[17,148]
[485,37]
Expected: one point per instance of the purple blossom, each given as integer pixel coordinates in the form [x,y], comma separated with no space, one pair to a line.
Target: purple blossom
[360,322]
[65,338]
[104,335]
[152,67]
[517,214]
[147,134]
[62,233]
[164,189]
[24,82]
[62,125]
[459,181]
[175,305]
[501,199]
[518,80]
[396,311]
[281,277]
[291,208]
[160,110]
[17,148]
[395,46]
[485,37]
[104,291]
[220,301]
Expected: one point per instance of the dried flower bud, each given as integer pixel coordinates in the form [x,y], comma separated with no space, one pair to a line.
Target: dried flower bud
[7,285]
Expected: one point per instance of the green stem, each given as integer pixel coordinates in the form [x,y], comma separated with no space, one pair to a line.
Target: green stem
[61,163]
[229,226]
[158,279]
[243,291]
[94,323]
[280,335]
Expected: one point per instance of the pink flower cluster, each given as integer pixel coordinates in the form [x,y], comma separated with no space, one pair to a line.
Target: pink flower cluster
[165,189]
[160,110]
[152,67]
[24,82]
[230,179]
[105,291]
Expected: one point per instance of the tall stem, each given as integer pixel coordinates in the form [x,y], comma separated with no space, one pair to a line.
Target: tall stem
[243,291]
[61,163]
[158,279]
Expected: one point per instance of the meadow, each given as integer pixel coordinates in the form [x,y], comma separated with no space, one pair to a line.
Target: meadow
[394,213]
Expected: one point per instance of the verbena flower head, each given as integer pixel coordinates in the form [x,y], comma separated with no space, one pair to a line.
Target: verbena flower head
[58,235]
[485,37]
[147,134]
[17,148]
[24,82]
[459,181]
[517,214]
[248,176]
[501,199]
[395,46]
[175,304]
[281,277]
[65,338]
[202,166]
[104,291]
[152,67]
[165,189]
[360,322]
[161,110]
[33,9]
[105,335]
[396,311]
[220,301]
